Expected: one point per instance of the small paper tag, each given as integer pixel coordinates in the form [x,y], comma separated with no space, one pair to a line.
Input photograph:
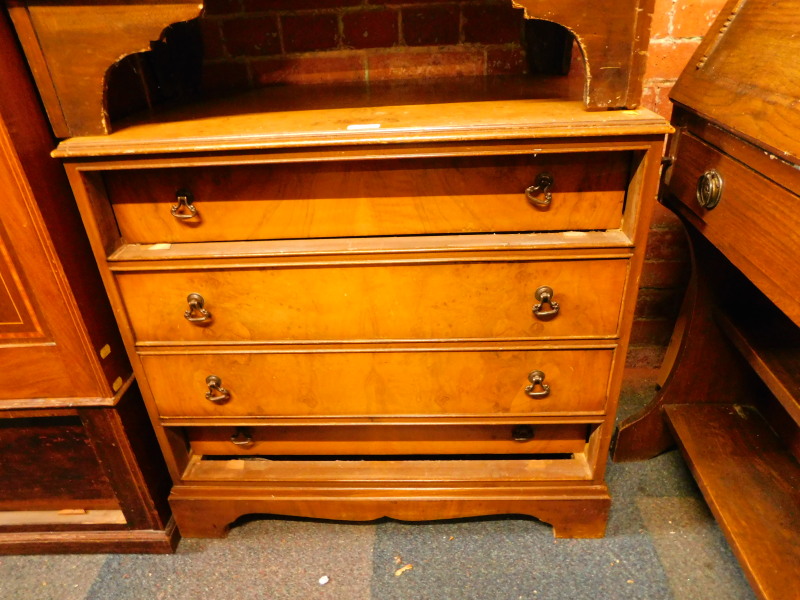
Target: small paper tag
[159,247]
[359,126]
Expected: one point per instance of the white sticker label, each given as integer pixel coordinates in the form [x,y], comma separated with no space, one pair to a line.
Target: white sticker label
[360,126]
[160,247]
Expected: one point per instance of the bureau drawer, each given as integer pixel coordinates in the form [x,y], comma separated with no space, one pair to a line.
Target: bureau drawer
[378,301]
[389,439]
[755,224]
[369,198]
[370,382]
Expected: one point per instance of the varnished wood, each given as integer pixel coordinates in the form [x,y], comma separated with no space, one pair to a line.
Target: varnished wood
[291,117]
[761,524]
[388,439]
[752,94]
[370,198]
[68,440]
[736,350]
[98,34]
[317,304]
[381,383]
[755,224]
[208,511]
[373,339]
[613,38]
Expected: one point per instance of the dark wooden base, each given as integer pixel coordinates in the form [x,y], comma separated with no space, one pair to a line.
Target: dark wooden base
[574,512]
[91,542]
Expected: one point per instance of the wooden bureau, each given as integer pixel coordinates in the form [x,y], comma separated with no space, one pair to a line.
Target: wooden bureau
[731,393]
[409,301]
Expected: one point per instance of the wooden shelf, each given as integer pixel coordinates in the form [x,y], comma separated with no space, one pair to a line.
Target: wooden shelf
[772,347]
[318,115]
[751,484]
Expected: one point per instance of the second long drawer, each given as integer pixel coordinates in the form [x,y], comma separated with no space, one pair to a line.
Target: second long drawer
[380,382]
[420,300]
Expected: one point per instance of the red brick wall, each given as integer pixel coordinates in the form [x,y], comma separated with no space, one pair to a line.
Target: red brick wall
[261,42]
[249,43]
[678,26]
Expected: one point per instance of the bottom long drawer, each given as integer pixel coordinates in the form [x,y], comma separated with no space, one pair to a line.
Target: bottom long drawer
[389,439]
[450,382]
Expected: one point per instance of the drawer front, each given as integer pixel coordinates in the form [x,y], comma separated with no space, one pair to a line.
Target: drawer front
[755,224]
[380,383]
[367,302]
[389,439]
[367,198]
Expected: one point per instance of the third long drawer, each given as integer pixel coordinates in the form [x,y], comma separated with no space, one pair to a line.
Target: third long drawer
[373,382]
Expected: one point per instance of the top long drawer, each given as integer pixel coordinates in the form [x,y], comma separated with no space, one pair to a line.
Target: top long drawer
[399,196]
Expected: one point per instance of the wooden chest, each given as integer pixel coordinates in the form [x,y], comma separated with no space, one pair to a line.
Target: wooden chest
[407,308]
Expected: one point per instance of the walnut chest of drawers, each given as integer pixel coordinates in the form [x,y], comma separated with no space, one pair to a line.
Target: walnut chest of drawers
[403,307]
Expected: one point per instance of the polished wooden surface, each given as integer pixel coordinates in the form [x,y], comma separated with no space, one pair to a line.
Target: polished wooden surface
[72,434]
[71,45]
[389,439]
[755,225]
[731,400]
[308,116]
[754,500]
[745,76]
[380,382]
[371,198]
[399,300]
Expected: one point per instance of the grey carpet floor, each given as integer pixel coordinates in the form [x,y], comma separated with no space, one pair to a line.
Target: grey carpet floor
[662,543]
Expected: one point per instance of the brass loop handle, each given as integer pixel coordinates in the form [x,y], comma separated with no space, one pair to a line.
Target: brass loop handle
[709,189]
[185,203]
[216,393]
[544,295]
[242,438]
[537,380]
[196,302]
[522,433]
[541,185]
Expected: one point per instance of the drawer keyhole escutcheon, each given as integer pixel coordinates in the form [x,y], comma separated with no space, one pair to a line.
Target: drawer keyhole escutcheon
[216,393]
[522,433]
[242,438]
[541,185]
[185,208]
[544,295]
[196,313]
[709,189]
[537,380]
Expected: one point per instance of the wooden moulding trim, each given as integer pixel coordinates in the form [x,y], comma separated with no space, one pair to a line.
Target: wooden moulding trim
[82,402]
[133,541]
[437,473]
[544,342]
[383,346]
[572,245]
[393,421]
[433,149]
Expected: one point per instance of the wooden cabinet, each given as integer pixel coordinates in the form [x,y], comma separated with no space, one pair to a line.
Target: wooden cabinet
[79,467]
[357,301]
[422,321]
[731,398]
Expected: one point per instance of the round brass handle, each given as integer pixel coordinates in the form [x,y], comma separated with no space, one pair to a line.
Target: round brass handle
[537,380]
[242,438]
[196,303]
[544,295]
[522,433]
[541,185]
[709,189]
[216,393]
[185,208]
